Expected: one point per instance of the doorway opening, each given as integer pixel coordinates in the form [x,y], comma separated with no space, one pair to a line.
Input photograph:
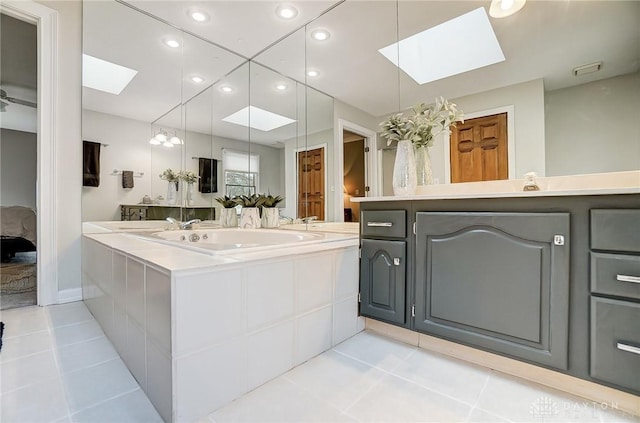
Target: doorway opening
[354,168]
[19,162]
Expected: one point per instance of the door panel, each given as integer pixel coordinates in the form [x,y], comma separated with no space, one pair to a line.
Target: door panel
[478,150]
[495,280]
[383,279]
[311,194]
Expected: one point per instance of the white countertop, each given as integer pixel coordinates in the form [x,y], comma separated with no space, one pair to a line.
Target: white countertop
[593,184]
[117,236]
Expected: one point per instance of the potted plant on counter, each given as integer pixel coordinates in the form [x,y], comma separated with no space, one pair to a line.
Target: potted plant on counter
[228,214]
[250,214]
[270,213]
[172,190]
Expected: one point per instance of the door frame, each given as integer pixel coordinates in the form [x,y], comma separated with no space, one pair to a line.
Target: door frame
[511,139]
[370,165]
[46,20]
[326,173]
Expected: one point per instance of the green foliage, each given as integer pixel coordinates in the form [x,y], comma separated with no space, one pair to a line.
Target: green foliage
[270,200]
[170,175]
[254,200]
[188,176]
[227,202]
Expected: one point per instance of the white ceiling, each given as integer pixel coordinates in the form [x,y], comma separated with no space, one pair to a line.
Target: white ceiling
[546,39]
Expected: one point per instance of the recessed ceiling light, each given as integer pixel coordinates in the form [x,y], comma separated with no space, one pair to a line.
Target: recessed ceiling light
[226,89]
[320,34]
[105,76]
[281,87]
[257,118]
[453,47]
[198,16]
[172,43]
[312,73]
[286,11]
[197,79]
[504,8]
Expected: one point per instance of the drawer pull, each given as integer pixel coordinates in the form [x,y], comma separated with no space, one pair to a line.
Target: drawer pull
[380,224]
[628,348]
[628,278]
[396,261]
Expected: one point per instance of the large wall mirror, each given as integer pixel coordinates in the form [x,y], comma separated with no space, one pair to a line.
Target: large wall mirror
[238,65]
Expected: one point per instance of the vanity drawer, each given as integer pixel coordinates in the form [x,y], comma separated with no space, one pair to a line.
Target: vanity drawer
[615,342]
[615,230]
[387,223]
[615,274]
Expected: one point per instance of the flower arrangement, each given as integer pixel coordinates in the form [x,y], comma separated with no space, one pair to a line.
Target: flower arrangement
[170,175]
[187,176]
[423,124]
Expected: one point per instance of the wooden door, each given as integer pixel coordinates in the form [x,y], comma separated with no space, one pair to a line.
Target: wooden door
[311,183]
[479,150]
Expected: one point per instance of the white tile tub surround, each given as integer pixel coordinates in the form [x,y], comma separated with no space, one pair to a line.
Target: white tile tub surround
[198,336]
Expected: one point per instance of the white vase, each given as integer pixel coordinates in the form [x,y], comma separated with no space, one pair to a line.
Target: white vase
[172,193]
[423,166]
[404,169]
[190,195]
[249,218]
[229,218]
[270,217]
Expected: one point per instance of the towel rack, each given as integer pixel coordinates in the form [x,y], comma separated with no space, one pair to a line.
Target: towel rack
[136,174]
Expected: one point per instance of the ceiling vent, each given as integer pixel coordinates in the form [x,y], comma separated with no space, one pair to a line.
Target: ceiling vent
[585,69]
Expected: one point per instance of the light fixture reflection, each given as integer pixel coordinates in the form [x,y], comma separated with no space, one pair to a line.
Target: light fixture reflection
[199,16]
[504,8]
[162,138]
[312,73]
[197,79]
[172,43]
[320,34]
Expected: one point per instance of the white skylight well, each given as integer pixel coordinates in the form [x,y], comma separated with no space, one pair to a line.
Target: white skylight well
[453,47]
[105,76]
[260,119]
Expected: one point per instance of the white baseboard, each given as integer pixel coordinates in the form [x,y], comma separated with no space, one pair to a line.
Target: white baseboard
[69,295]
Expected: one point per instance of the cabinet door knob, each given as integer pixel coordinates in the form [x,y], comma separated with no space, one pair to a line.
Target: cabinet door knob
[628,348]
[628,278]
[396,261]
[558,240]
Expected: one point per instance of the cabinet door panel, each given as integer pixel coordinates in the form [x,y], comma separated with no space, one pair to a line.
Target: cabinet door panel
[495,280]
[382,286]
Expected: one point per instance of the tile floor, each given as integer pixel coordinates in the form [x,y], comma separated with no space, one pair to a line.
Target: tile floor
[56,365]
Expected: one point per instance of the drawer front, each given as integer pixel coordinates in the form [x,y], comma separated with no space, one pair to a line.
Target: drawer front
[615,230]
[615,274]
[386,223]
[615,342]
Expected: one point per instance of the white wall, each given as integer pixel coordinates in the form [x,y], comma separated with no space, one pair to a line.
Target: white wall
[129,149]
[593,128]
[18,168]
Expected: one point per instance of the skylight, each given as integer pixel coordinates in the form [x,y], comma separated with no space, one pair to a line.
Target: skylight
[105,76]
[260,119]
[456,46]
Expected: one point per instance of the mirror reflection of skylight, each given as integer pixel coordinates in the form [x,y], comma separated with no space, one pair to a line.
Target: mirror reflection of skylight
[105,76]
[462,44]
[260,119]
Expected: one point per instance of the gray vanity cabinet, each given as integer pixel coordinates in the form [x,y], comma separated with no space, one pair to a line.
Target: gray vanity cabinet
[384,265]
[615,297]
[495,280]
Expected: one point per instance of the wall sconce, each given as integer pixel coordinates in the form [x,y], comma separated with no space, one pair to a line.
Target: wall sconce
[162,137]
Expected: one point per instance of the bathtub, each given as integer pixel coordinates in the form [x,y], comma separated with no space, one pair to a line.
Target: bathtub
[219,241]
